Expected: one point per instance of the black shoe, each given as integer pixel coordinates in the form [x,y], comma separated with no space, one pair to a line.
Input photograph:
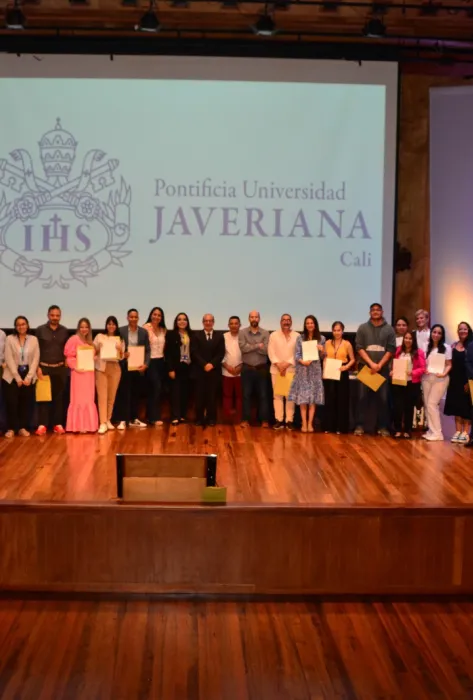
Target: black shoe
[278,425]
[290,426]
[199,423]
[212,424]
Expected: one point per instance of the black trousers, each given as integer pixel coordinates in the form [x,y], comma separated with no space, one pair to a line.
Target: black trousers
[18,400]
[180,392]
[337,404]
[404,400]
[128,395]
[206,389]
[155,380]
[51,413]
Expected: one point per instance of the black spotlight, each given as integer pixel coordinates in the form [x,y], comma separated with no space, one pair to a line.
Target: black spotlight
[149,22]
[14,17]
[375,28]
[265,26]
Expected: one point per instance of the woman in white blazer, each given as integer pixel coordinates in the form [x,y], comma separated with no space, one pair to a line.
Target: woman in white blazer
[19,376]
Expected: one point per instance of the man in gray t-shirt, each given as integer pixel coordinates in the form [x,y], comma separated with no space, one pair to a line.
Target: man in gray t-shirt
[375,344]
[253,343]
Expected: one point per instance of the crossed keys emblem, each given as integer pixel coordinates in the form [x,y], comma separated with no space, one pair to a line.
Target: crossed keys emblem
[15,178]
[28,242]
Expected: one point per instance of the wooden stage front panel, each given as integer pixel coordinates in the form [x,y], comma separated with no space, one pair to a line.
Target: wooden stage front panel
[307,514]
[236,549]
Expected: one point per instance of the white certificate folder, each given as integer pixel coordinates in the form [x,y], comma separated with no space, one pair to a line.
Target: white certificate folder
[310,350]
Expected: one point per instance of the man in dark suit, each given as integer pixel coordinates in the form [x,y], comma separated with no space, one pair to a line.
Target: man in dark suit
[207,352]
[129,390]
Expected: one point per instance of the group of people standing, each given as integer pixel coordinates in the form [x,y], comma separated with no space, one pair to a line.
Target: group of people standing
[246,362]
[377,344]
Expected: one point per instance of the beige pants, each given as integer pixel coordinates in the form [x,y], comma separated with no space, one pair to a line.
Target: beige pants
[107,384]
[278,403]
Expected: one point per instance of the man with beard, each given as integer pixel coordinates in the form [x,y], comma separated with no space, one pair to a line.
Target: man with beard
[281,351]
[253,343]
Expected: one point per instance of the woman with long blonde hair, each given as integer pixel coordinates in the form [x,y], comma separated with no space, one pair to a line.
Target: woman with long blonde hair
[82,414]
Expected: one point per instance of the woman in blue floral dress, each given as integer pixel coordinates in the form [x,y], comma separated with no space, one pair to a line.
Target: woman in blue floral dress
[307,389]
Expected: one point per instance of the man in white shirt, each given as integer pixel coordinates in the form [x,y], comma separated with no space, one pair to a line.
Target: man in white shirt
[423,337]
[281,352]
[423,330]
[231,371]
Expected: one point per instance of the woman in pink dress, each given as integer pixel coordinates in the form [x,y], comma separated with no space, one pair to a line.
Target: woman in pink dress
[82,414]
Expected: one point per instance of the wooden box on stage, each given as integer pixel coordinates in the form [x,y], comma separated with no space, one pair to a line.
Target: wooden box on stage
[168,478]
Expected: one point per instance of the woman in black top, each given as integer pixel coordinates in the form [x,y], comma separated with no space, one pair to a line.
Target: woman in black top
[458,400]
[178,361]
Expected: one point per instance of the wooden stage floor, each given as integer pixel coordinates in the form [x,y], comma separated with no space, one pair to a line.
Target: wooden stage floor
[256,465]
[181,650]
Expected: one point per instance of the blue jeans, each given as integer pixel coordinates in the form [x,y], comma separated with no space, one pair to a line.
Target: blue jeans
[378,400]
[255,381]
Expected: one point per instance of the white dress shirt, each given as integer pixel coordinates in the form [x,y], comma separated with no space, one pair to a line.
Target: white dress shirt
[282,348]
[423,339]
[232,353]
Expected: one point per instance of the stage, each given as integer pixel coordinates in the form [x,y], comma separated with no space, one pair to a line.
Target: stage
[258,466]
[306,514]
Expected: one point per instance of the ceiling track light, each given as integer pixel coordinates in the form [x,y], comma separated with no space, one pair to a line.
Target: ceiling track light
[149,21]
[264,25]
[374,28]
[14,17]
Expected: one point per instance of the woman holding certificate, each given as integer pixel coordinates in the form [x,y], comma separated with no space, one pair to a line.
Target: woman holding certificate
[80,355]
[156,327]
[19,376]
[109,348]
[406,376]
[458,401]
[435,381]
[307,389]
[338,361]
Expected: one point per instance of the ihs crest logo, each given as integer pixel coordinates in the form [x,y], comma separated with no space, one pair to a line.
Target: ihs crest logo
[62,227]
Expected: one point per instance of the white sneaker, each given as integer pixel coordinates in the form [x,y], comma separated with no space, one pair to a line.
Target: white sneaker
[102,429]
[121,425]
[138,424]
[456,436]
[158,423]
[434,438]
[463,439]
[110,425]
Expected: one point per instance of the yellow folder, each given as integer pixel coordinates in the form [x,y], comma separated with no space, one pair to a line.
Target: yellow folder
[43,389]
[373,381]
[282,385]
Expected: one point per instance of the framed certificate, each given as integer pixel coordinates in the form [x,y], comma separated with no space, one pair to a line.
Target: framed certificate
[108,348]
[136,357]
[85,358]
